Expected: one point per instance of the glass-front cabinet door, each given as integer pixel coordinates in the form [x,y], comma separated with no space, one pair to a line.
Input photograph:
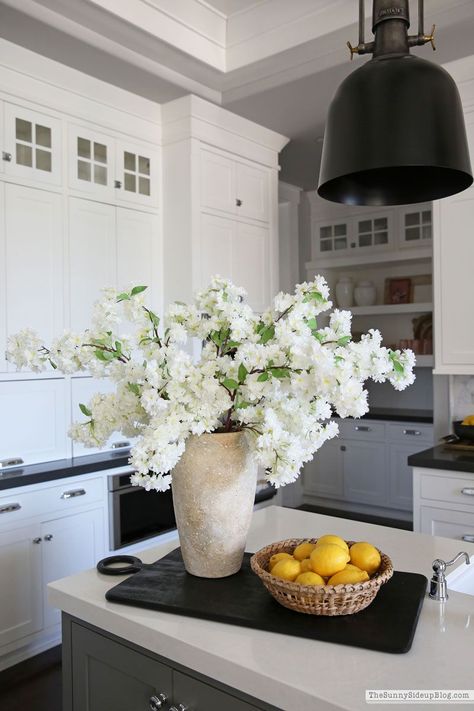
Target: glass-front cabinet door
[372,232]
[91,162]
[332,239]
[32,147]
[136,175]
[416,226]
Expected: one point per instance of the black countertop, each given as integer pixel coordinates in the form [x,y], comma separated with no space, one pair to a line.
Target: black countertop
[399,415]
[62,468]
[441,458]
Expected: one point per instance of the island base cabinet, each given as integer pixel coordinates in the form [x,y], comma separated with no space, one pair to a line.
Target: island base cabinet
[102,672]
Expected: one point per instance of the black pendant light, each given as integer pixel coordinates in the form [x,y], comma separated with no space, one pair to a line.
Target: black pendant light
[395,130]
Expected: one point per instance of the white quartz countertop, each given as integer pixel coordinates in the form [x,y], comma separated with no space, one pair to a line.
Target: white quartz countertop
[292,673]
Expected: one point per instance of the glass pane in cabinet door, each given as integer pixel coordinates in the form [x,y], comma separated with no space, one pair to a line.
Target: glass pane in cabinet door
[24,155]
[365,240]
[412,219]
[143,165]
[365,226]
[326,245]
[340,230]
[100,175]
[144,186]
[100,153]
[129,161]
[83,170]
[43,160]
[381,238]
[24,130]
[83,148]
[426,217]
[340,243]
[130,182]
[412,233]
[325,232]
[43,136]
[426,232]
[380,223]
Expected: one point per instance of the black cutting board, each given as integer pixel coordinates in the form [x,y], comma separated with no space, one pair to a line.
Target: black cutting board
[387,625]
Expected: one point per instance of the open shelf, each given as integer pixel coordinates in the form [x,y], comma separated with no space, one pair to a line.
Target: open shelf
[392,309]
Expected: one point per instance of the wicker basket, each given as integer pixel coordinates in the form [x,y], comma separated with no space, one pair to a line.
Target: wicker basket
[327,600]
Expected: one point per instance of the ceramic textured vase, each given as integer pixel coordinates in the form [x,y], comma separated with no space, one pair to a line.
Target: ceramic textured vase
[365,293]
[213,487]
[345,292]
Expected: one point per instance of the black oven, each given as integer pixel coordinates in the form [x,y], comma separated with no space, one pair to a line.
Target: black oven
[136,514]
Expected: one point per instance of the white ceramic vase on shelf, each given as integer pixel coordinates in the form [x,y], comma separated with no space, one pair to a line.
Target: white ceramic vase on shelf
[213,488]
[365,293]
[345,292]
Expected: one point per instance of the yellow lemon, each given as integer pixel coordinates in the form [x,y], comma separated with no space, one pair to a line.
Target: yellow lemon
[303,550]
[365,556]
[327,559]
[276,557]
[287,568]
[310,579]
[349,566]
[349,577]
[337,540]
[306,566]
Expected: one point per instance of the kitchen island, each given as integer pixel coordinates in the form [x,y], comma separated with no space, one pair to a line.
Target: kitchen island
[208,665]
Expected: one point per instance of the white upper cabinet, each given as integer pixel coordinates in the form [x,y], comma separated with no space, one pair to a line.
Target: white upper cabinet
[353,236]
[138,175]
[234,187]
[332,237]
[32,145]
[33,290]
[34,419]
[92,257]
[91,162]
[216,246]
[416,225]
[139,254]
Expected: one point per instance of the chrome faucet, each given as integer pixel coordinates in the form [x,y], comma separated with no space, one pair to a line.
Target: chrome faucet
[438,586]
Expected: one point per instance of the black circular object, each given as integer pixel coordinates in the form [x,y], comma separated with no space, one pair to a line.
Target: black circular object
[395,135]
[108,566]
[463,431]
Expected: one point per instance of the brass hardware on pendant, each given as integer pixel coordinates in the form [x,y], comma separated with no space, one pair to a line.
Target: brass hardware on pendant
[430,38]
[352,50]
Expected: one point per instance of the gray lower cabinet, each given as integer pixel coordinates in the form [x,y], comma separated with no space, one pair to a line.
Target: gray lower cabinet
[105,673]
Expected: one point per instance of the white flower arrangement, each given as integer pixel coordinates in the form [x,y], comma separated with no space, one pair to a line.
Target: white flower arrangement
[276,375]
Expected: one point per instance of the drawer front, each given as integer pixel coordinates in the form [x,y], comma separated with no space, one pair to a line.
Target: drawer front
[362,429]
[410,433]
[69,496]
[447,523]
[454,490]
[194,694]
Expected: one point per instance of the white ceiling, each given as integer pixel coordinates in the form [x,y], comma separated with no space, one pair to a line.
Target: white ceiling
[276,62]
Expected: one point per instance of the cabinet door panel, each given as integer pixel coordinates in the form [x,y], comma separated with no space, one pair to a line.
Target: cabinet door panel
[324,474]
[34,420]
[215,254]
[446,523]
[139,260]
[70,545]
[109,675]
[217,182]
[82,390]
[401,476]
[137,173]
[21,604]
[250,264]
[252,192]
[34,143]
[194,694]
[365,472]
[91,162]
[34,261]
[91,256]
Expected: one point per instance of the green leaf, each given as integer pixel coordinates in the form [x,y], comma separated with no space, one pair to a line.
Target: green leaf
[314,296]
[230,384]
[319,337]
[104,356]
[267,334]
[118,347]
[137,290]
[242,405]
[243,372]
[230,345]
[124,296]
[312,323]
[397,366]
[280,372]
[216,338]
[134,388]
[85,410]
[262,377]
[344,341]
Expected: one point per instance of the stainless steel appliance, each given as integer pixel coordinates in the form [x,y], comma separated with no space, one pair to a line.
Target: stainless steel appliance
[136,514]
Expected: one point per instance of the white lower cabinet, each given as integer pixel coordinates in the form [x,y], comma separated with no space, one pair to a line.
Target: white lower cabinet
[69,544]
[443,503]
[366,466]
[447,523]
[21,593]
[44,535]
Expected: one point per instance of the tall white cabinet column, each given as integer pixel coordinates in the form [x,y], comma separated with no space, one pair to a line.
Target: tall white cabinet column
[220,197]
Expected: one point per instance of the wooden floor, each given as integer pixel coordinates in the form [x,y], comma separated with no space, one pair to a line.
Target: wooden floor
[33,685]
[367,518]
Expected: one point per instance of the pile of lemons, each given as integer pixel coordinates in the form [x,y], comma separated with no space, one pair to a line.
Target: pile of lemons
[329,561]
[469,420]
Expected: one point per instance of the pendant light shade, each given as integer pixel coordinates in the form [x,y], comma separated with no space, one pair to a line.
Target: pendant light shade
[395,133]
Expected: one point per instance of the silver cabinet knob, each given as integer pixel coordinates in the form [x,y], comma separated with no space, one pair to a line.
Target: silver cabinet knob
[468,538]
[179,707]
[37,540]
[467,491]
[343,447]
[117,183]
[49,537]
[6,157]
[238,202]
[156,702]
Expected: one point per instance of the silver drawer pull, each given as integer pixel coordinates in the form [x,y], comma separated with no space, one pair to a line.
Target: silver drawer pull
[360,428]
[158,701]
[120,445]
[8,508]
[467,491]
[6,156]
[73,493]
[412,433]
[468,539]
[11,462]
